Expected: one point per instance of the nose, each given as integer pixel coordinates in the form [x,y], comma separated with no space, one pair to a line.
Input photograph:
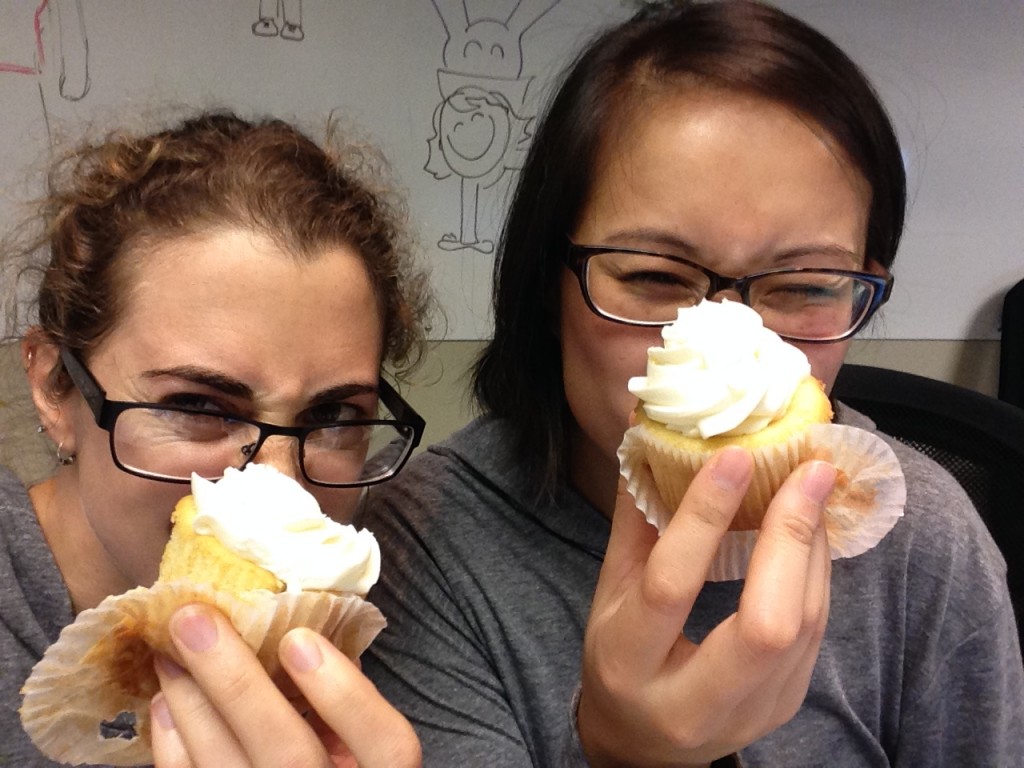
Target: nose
[282,453]
[726,293]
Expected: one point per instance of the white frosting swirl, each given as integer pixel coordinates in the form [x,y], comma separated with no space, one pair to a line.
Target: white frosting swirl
[720,372]
[269,519]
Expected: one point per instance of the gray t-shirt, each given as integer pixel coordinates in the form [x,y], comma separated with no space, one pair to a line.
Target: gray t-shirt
[487,594]
[34,607]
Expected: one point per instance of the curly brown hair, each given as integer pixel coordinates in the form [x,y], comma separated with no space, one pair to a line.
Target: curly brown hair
[108,200]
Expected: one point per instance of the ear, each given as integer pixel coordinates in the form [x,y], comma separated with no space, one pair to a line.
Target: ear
[40,356]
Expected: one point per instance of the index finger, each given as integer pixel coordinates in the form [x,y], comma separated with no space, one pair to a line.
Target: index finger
[629,546]
[238,687]
[679,562]
[663,593]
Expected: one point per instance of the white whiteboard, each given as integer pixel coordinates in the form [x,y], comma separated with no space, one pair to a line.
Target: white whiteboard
[951,73]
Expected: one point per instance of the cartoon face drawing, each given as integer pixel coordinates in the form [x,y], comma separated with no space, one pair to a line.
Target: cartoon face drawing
[474,131]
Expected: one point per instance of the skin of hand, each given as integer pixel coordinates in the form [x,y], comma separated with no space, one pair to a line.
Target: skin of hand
[655,698]
[222,709]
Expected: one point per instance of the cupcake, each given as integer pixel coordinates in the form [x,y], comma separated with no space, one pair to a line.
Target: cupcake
[721,378]
[256,546]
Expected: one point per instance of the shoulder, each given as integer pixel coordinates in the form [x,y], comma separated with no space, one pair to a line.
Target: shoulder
[940,548]
[939,563]
[32,591]
[15,508]
[12,490]
[938,512]
[473,462]
[941,519]
[468,498]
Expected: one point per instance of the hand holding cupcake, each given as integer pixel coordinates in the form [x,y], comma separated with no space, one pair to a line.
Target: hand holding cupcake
[256,546]
[722,378]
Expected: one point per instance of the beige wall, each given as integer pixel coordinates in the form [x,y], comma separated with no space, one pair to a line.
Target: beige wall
[21,449]
[440,388]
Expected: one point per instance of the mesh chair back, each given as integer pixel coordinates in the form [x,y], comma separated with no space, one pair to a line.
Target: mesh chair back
[978,439]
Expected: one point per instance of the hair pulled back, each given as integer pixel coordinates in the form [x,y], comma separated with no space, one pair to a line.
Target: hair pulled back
[108,201]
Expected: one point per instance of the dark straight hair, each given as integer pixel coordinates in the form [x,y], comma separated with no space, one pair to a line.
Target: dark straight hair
[736,44]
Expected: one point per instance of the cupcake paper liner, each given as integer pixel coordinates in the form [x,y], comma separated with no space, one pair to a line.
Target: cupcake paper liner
[87,700]
[867,502]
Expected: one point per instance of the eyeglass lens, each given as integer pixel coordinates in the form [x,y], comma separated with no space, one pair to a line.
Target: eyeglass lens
[650,289]
[173,444]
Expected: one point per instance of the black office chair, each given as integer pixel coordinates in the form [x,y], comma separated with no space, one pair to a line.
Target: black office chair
[1011,347]
[978,439]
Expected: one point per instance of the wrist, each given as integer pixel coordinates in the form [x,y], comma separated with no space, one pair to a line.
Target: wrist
[726,761]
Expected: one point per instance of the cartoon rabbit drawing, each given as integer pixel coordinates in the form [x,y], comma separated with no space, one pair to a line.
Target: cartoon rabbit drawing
[479,129]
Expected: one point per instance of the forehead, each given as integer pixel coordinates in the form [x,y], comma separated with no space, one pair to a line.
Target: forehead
[703,155]
[235,293]
[702,109]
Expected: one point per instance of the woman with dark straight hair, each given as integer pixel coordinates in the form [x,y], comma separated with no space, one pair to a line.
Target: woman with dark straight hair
[535,617]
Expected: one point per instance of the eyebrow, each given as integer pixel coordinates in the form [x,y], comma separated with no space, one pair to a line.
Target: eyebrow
[342,392]
[205,377]
[829,249]
[686,249]
[236,388]
[659,239]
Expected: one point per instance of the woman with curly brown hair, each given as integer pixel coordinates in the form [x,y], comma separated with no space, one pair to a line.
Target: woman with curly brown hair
[218,270]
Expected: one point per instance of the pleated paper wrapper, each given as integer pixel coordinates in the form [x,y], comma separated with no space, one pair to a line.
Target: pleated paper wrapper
[87,700]
[868,499]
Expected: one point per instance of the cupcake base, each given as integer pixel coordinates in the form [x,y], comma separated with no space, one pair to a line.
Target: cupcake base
[867,502]
[87,700]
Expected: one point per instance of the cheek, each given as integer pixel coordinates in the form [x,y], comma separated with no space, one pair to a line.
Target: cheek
[339,504]
[598,359]
[129,516]
[826,360]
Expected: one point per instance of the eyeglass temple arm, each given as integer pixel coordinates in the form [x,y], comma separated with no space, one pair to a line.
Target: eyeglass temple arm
[91,390]
[401,410]
[887,290]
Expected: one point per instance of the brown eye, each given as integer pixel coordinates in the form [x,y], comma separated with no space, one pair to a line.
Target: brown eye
[331,413]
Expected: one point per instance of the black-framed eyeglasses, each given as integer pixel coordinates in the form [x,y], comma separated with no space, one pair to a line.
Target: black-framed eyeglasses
[806,304]
[170,442]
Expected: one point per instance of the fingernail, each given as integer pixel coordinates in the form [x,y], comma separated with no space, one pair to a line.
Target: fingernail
[732,468]
[817,481]
[162,713]
[193,627]
[168,666]
[302,652]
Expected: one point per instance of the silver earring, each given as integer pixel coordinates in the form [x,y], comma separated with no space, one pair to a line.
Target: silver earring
[64,461]
[40,429]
